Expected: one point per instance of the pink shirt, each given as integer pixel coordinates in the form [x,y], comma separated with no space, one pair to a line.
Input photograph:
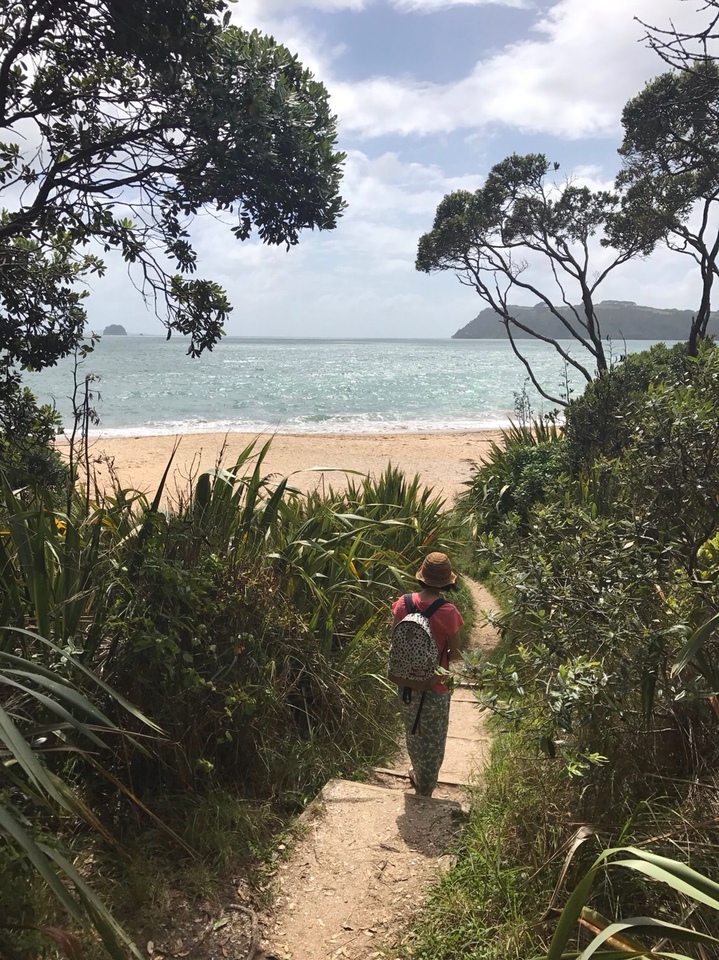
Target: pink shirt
[444,623]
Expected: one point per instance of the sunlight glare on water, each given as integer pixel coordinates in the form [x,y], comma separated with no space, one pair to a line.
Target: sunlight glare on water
[148,385]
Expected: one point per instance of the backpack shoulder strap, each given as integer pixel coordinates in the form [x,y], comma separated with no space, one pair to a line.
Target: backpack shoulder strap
[409,603]
[434,607]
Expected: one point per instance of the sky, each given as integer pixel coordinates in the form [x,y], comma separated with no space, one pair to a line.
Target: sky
[429,95]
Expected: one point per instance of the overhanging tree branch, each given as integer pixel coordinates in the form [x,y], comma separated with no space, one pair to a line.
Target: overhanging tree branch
[144,113]
[528,367]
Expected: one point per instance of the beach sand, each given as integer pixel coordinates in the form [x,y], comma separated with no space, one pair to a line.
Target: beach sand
[442,460]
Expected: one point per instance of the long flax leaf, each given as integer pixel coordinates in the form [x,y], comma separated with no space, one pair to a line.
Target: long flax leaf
[137,558]
[82,558]
[39,859]
[25,757]
[671,930]
[676,875]
[695,643]
[271,510]
[567,923]
[54,707]
[201,498]
[66,692]
[116,941]
[252,490]
[29,545]
[97,681]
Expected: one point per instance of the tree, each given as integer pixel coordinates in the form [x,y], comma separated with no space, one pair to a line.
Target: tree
[120,120]
[682,50]
[486,236]
[670,179]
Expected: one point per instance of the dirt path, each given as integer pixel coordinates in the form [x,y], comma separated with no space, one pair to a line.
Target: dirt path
[370,850]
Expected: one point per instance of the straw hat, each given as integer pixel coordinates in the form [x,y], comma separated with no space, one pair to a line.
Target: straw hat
[436,571]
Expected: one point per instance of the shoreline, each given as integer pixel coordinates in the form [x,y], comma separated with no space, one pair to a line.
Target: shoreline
[443,459]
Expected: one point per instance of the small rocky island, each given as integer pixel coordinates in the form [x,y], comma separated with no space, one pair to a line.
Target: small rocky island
[114,330]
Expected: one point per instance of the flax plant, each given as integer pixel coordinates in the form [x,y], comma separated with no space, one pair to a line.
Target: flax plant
[48,565]
[624,938]
[44,715]
[54,573]
[247,620]
[237,508]
[345,553]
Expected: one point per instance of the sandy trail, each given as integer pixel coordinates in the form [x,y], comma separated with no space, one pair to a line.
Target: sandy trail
[371,850]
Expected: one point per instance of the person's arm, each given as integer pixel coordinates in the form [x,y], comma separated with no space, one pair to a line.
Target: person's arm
[453,648]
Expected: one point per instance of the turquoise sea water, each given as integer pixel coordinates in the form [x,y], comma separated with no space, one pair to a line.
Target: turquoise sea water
[148,385]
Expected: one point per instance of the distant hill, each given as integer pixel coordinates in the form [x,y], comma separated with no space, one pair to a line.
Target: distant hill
[619,319]
[114,330]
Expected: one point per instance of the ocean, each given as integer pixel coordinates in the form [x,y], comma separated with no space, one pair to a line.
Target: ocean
[147,385]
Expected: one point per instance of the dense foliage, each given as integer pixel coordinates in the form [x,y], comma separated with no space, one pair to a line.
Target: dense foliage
[27,433]
[243,623]
[670,176]
[597,536]
[603,543]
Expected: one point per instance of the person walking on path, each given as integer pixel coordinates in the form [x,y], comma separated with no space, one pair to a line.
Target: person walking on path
[426,740]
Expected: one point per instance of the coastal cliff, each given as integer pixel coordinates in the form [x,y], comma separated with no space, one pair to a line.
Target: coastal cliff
[618,319]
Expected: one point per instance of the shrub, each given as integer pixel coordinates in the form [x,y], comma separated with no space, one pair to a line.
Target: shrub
[27,455]
[598,423]
[592,641]
[263,646]
[519,473]
[228,667]
[604,582]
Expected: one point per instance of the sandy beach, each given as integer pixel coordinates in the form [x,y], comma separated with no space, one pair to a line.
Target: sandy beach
[442,460]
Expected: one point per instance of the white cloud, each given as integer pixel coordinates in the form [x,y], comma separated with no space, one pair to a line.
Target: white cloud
[387,186]
[429,6]
[571,80]
[273,8]
[356,280]
[390,202]
[570,77]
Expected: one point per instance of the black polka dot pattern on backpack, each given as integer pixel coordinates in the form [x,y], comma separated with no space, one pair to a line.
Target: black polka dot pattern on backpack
[413,656]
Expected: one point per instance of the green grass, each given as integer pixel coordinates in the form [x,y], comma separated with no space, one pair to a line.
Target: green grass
[534,832]
[485,907]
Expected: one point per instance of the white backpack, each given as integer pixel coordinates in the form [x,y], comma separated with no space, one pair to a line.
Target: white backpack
[413,655]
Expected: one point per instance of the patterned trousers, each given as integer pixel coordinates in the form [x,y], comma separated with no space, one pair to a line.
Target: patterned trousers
[426,746]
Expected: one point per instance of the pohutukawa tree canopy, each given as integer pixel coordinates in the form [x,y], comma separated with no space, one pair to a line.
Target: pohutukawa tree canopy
[120,120]
[670,180]
[487,238]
